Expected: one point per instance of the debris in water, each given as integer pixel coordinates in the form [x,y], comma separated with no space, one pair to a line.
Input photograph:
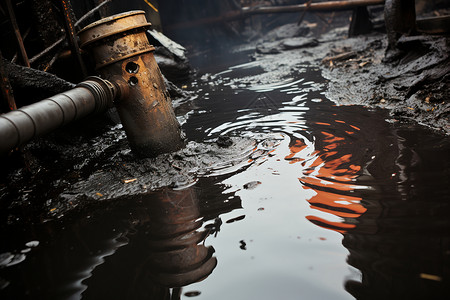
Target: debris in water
[339,57]
[243,245]
[192,294]
[9,259]
[3,283]
[235,219]
[224,141]
[251,185]
[32,244]
[127,181]
[430,277]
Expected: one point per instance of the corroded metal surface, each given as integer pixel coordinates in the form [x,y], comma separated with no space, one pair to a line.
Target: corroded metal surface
[18,36]
[69,27]
[7,94]
[122,52]
[116,38]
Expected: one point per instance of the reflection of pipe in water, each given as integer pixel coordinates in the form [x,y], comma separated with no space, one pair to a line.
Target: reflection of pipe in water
[408,255]
[164,252]
[397,233]
[177,255]
[331,175]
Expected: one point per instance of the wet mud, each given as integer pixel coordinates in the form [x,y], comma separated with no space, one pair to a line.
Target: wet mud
[30,84]
[105,169]
[413,85]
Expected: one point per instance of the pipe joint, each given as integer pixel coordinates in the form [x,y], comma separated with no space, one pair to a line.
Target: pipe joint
[121,88]
[104,92]
[19,126]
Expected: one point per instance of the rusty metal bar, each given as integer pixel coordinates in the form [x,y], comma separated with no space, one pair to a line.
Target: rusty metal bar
[19,126]
[14,59]
[434,25]
[19,39]
[321,6]
[302,16]
[7,92]
[70,33]
[47,50]
[77,23]
[91,12]
[250,11]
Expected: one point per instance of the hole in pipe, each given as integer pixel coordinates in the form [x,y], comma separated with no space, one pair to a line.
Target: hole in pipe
[132,67]
[133,81]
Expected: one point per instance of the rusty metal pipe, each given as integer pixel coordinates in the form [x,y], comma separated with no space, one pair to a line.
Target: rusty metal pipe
[19,126]
[66,7]
[246,12]
[19,39]
[131,78]
[121,49]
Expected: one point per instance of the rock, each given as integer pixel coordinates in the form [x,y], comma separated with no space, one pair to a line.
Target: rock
[170,56]
[31,85]
[224,141]
[299,42]
[286,31]
[268,48]
[174,91]
[175,71]
[174,48]
[251,185]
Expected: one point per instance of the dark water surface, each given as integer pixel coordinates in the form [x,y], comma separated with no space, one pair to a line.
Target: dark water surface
[346,204]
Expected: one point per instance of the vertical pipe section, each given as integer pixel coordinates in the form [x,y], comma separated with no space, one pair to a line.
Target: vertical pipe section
[19,39]
[70,33]
[121,49]
[7,92]
[19,126]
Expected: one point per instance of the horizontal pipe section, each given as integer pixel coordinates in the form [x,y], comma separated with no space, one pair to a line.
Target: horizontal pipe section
[246,12]
[19,126]
[320,6]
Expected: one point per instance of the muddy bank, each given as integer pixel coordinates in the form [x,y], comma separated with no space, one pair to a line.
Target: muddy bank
[65,173]
[415,85]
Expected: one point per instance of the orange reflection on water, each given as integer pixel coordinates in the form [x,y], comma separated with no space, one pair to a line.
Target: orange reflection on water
[331,174]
